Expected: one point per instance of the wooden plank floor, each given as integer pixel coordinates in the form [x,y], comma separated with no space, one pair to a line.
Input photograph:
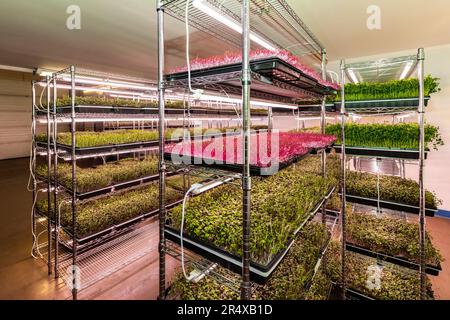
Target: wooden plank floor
[22,277]
[439,228]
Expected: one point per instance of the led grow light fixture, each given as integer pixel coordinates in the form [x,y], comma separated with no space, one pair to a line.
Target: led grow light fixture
[83,88]
[404,116]
[146,97]
[209,10]
[313,118]
[44,73]
[355,117]
[106,82]
[209,98]
[353,76]
[252,102]
[405,72]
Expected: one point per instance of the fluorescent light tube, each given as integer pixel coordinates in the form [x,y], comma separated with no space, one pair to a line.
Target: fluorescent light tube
[146,97]
[82,88]
[313,118]
[253,102]
[405,72]
[128,85]
[403,116]
[19,69]
[139,95]
[273,105]
[355,117]
[353,76]
[202,188]
[209,10]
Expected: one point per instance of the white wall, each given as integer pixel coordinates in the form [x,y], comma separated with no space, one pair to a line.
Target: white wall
[437,63]
[15,114]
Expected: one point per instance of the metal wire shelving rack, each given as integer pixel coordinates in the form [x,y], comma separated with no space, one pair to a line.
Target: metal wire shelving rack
[231,279]
[64,249]
[272,19]
[416,63]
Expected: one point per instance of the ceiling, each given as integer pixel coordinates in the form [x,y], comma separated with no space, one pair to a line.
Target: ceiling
[120,36]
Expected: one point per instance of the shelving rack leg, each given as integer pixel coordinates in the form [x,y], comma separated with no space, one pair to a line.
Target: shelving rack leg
[343,181]
[421,111]
[323,125]
[74,188]
[162,165]
[421,161]
[246,179]
[270,119]
[55,179]
[49,182]
[246,77]
[33,167]
[323,110]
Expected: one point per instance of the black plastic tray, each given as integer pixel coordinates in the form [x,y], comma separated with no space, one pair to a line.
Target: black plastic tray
[432,270]
[389,205]
[109,149]
[410,154]
[259,273]
[276,68]
[316,108]
[116,187]
[254,170]
[105,190]
[382,103]
[103,109]
[137,110]
[132,147]
[234,167]
[351,294]
[109,233]
[271,68]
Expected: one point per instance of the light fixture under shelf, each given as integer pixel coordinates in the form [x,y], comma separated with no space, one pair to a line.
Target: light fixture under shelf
[209,10]
[406,70]
[254,103]
[353,76]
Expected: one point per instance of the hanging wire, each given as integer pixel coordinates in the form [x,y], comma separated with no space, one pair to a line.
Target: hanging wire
[378,186]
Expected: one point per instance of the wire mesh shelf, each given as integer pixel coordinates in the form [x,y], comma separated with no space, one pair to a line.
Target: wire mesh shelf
[383,70]
[270,20]
[107,258]
[205,267]
[206,173]
[229,81]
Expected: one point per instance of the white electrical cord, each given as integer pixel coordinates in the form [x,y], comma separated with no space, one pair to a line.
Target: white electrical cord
[334,76]
[37,245]
[234,107]
[378,187]
[33,140]
[186,196]
[197,93]
[32,162]
[32,178]
[35,238]
[40,98]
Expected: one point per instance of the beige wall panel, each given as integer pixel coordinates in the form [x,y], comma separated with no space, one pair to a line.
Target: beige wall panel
[15,114]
